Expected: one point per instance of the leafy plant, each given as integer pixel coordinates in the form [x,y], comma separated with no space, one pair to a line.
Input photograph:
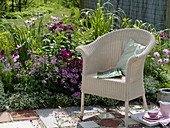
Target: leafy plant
[70,3]
[100,21]
[27,36]
[151,86]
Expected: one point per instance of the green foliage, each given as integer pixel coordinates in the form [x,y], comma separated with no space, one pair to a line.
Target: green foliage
[14,15]
[70,3]
[3,5]
[151,86]
[6,77]
[100,21]
[2,96]
[28,36]
[97,100]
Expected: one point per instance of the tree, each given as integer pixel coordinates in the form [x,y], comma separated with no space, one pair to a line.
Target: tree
[3,5]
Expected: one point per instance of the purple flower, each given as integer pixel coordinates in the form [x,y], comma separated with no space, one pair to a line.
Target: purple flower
[55,70]
[26,62]
[156,54]
[65,86]
[162,35]
[49,75]
[64,27]
[28,21]
[33,70]
[69,75]
[18,75]
[76,76]
[72,26]
[1,57]
[73,81]
[30,52]
[33,56]
[74,70]
[27,25]
[168,36]
[79,86]
[55,81]
[55,18]
[15,58]
[165,51]
[37,65]
[17,65]
[59,29]
[41,60]
[53,28]
[166,60]
[45,56]
[59,22]
[33,19]
[159,61]
[38,13]
[154,90]
[82,29]
[79,62]
[44,81]
[62,81]
[8,66]
[71,89]
[77,94]
[2,52]
[53,60]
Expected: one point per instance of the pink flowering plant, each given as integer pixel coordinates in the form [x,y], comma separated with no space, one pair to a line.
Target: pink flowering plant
[65,32]
[158,62]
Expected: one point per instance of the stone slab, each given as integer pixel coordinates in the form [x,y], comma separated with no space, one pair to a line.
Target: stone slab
[5,117]
[89,124]
[89,109]
[106,116]
[18,124]
[47,116]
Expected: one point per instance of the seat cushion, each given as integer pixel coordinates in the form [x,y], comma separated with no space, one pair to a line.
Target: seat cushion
[111,88]
[132,48]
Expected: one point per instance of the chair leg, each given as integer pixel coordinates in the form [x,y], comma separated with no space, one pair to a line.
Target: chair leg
[144,102]
[126,113]
[82,104]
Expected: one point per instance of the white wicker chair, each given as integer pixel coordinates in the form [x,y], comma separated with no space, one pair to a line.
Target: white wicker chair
[103,54]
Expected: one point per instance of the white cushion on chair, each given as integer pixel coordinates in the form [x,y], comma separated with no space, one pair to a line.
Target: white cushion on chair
[131,48]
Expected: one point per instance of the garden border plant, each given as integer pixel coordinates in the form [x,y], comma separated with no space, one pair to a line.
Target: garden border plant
[49,75]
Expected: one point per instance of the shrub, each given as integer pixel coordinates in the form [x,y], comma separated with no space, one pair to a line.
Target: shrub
[151,86]
[70,3]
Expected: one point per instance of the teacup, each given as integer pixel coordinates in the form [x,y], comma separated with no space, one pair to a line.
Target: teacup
[153,113]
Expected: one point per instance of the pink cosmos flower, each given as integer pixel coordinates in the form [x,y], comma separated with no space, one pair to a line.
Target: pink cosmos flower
[156,54]
[165,51]
[159,61]
[44,81]
[166,60]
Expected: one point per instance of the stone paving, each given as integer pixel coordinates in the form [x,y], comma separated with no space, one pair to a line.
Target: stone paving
[95,117]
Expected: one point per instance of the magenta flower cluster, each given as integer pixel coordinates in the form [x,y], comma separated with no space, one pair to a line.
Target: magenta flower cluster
[164,35]
[61,72]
